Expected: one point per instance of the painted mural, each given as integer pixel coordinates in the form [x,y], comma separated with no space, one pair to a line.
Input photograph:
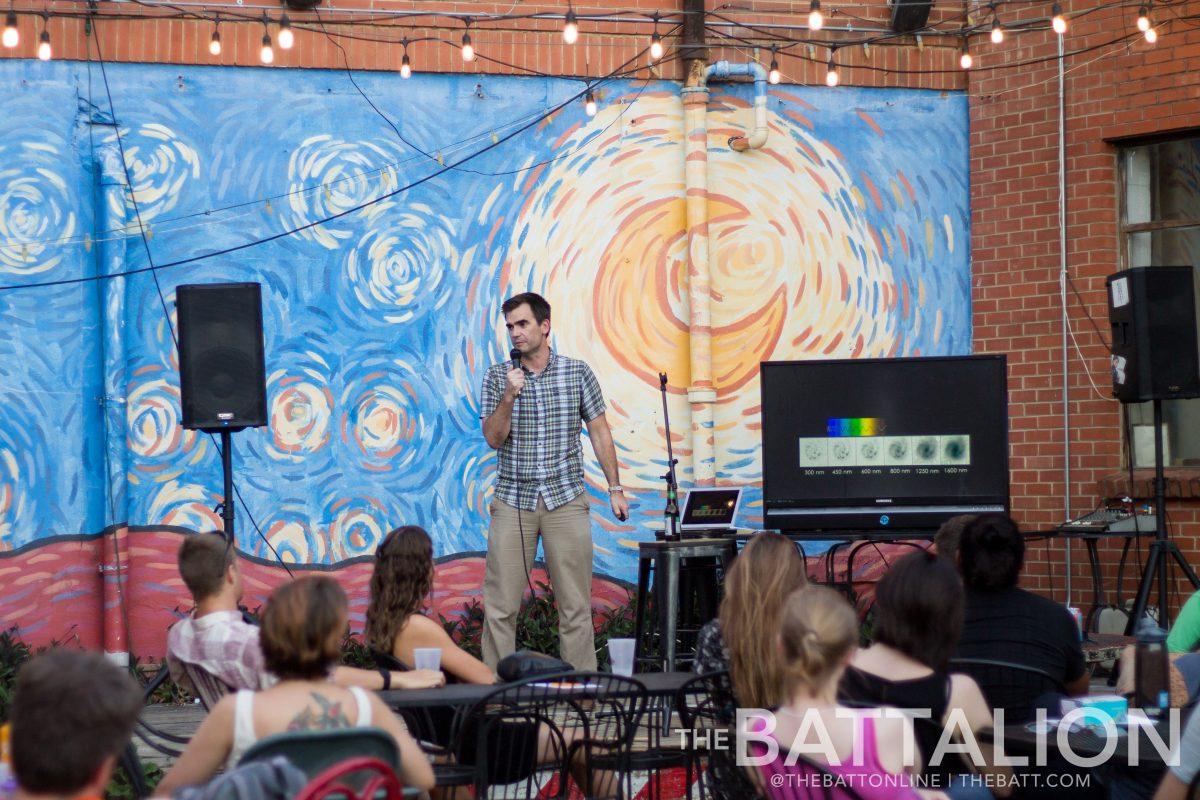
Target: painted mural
[847,234]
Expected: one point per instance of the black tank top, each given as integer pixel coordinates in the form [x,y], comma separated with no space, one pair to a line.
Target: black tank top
[931,692]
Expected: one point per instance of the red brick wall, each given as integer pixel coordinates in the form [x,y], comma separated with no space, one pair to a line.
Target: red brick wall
[527,45]
[1115,90]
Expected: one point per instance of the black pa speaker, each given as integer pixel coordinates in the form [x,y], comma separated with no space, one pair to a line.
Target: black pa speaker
[910,15]
[222,380]
[1152,311]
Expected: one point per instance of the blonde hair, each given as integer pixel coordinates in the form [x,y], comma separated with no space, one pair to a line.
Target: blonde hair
[817,632]
[767,571]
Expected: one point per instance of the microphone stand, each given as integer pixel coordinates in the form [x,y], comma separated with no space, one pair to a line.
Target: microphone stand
[671,512]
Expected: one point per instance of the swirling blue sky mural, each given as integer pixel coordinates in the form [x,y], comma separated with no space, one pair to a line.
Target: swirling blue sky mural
[847,234]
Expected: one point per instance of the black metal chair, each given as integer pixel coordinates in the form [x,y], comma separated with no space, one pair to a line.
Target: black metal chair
[432,728]
[663,749]
[157,739]
[1008,685]
[708,710]
[551,727]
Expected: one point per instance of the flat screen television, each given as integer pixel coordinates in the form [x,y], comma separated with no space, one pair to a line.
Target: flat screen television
[883,444]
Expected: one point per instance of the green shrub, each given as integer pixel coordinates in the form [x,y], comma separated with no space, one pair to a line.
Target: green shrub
[355,652]
[121,788]
[13,653]
[537,625]
[466,629]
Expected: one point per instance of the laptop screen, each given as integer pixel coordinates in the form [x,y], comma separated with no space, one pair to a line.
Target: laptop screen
[710,508]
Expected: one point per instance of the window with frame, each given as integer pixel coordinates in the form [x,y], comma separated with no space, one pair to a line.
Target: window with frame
[1160,226]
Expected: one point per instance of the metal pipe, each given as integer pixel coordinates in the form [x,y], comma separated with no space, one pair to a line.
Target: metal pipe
[1062,288]
[702,395]
[724,69]
[111,214]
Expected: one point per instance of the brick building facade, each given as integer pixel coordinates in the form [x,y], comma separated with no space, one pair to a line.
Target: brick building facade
[1116,89]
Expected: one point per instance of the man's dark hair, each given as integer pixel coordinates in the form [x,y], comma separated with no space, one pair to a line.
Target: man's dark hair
[919,609]
[71,711]
[203,559]
[948,536]
[537,304]
[991,553]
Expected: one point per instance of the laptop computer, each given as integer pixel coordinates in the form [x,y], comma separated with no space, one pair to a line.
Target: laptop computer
[710,511]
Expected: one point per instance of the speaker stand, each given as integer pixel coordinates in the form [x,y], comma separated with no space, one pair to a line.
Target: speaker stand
[1162,550]
[227,473]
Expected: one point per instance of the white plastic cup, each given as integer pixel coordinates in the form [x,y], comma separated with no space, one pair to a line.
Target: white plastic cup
[620,653]
[427,658]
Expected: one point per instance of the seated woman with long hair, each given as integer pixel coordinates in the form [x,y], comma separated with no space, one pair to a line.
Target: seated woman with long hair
[918,618]
[302,628]
[864,750]
[400,586]
[742,639]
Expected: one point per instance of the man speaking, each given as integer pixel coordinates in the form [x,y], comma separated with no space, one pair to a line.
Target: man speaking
[532,409]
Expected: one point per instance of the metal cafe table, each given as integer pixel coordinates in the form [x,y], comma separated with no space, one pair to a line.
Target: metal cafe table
[661,685]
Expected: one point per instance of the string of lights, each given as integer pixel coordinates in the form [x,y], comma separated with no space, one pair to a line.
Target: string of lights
[587,93]
[285,37]
[959,28]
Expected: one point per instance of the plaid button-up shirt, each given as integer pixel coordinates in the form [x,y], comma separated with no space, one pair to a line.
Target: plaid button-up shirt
[543,454]
[222,644]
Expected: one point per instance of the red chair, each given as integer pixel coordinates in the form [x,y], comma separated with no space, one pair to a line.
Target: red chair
[375,779]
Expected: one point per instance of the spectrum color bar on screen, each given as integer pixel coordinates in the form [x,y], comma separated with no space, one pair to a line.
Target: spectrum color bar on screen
[854,426]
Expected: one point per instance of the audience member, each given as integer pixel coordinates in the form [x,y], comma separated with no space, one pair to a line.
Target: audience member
[400,586]
[218,639]
[742,639]
[302,627]
[1005,623]
[72,714]
[864,750]
[946,540]
[1186,760]
[918,617]
[1185,631]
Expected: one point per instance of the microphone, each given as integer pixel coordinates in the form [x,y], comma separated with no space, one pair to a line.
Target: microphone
[515,355]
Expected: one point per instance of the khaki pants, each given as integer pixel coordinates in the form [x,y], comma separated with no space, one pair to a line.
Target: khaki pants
[567,539]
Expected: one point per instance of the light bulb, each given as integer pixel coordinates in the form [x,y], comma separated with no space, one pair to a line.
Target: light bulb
[44,52]
[286,37]
[1143,20]
[214,44]
[831,74]
[468,50]
[773,75]
[1151,35]
[589,104]
[12,37]
[1058,21]
[815,18]
[570,28]
[965,61]
[405,67]
[997,32]
[267,54]
[656,46]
